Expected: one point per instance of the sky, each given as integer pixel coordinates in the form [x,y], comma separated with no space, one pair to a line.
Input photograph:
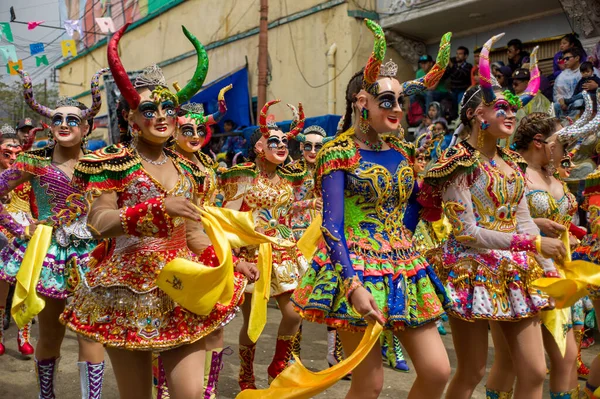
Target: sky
[33,10]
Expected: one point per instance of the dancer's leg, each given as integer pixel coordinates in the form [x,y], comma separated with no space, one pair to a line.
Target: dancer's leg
[133,372]
[367,377]
[184,367]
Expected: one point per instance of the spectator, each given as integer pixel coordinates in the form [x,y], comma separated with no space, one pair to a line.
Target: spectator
[504,77]
[539,103]
[566,83]
[588,82]
[434,111]
[568,41]
[443,137]
[496,66]
[475,69]
[24,129]
[437,92]
[459,72]
[516,55]
[425,122]
[234,143]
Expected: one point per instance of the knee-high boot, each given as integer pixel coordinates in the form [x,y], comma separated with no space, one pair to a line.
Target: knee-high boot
[46,371]
[212,368]
[91,376]
[582,370]
[572,394]
[23,341]
[160,390]
[493,394]
[246,377]
[282,357]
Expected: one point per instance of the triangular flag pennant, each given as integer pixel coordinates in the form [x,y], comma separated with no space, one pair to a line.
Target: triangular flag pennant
[105,24]
[13,67]
[6,32]
[9,53]
[41,60]
[68,47]
[31,25]
[36,48]
[72,25]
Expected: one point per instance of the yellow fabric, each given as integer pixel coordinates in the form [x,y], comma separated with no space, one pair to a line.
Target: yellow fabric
[297,382]
[312,238]
[442,228]
[197,287]
[262,292]
[578,275]
[26,302]
[555,321]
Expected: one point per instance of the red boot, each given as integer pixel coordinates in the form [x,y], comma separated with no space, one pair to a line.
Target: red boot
[23,341]
[246,378]
[282,357]
[582,370]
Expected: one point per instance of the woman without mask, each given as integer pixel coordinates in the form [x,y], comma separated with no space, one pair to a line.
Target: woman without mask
[366,180]
[61,206]
[142,205]
[492,255]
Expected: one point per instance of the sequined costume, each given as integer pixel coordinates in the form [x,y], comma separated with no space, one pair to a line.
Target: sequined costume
[304,190]
[122,305]
[63,207]
[488,262]
[273,206]
[366,241]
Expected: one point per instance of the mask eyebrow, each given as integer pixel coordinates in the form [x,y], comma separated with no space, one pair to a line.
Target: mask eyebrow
[387,93]
[146,105]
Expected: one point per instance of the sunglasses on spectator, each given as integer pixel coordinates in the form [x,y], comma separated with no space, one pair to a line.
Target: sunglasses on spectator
[309,147]
[567,58]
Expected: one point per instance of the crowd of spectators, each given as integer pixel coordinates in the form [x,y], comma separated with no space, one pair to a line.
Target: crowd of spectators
[560,91]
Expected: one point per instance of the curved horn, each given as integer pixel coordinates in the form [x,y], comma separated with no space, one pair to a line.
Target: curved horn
[118,71]
[217,116]
[208,135]
[435,74]
[371,72]
[299,123]
[295,118]
[197,80]
[564,135]
[30,98]
[262,118]
[485,77]
[96,96]
[534,79]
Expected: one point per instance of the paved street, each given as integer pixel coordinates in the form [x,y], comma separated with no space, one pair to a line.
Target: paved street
[17,376]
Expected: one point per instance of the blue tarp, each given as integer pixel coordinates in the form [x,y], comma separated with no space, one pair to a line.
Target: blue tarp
[238,99]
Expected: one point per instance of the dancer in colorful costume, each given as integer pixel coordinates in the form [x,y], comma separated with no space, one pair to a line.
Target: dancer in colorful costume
[143,207]
[552,207]
[489,260]
[18,206]
[367,269]
[62,212]
[264,187]
[193,132]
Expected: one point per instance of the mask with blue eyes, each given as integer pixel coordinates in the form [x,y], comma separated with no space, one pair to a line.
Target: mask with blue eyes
[189,131]
[69,120]
[388,100]
[274,142]
[150,110]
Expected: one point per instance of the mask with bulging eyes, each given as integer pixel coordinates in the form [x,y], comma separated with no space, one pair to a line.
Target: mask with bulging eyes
[275,142]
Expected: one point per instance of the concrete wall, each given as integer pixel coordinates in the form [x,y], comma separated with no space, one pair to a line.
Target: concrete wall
[213,20]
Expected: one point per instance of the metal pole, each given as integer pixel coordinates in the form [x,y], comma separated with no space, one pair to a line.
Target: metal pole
[263,55]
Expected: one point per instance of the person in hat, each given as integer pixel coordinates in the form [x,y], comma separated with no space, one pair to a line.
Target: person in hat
[437,92]
[539,103]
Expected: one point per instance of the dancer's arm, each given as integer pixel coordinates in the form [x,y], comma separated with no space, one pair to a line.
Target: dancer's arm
[9,180]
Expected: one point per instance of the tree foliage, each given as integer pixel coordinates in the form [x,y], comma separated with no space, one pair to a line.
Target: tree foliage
[13,107]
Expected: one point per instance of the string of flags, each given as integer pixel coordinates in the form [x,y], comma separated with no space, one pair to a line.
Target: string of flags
[8,52]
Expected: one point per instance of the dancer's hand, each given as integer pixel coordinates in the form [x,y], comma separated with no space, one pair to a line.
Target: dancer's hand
[364,303]
[549,227]
[181,207]
[553,248]
[249,270]
[319,204]
[573,241]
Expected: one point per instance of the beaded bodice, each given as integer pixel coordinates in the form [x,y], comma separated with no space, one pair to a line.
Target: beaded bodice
[543,205]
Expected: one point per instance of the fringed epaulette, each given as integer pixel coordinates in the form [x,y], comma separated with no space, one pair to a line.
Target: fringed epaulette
[295,172]
[242,172]
[515,157]
[34,162]
[459,159]
[107,169]
[187,165]
[592,187]
[338,154]
[207,161]
[404,147]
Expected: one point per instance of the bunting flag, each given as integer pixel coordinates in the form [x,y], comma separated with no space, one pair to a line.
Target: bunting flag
[13,67]
[36,48]
[72,25]
[68,47]
[9,53]
[41,60]
[6,32]
[106,25]
[31,25]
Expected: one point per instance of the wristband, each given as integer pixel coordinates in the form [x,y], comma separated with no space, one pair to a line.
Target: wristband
[148,219]
[523,242]
[350,285]
[538,245]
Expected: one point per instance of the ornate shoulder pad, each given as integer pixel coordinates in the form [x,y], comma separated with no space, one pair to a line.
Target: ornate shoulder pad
[207,161]
[107,169]
[338,154]
[34,162]
[240,174]
[187,165]
[592,187]
[515,157]
[295,172]
[461,158]
[404,147]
